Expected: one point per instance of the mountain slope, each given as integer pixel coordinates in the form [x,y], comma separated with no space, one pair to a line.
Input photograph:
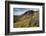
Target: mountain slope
[28,19]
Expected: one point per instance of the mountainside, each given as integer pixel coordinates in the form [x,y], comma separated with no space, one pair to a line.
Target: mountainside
[29,19]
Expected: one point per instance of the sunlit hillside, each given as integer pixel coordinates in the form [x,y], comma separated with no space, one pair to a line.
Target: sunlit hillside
[28,19]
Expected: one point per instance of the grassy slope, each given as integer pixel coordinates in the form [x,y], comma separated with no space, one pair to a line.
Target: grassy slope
[26,22]
[22,23]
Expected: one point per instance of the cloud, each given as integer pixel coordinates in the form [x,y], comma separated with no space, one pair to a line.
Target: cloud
[19,11]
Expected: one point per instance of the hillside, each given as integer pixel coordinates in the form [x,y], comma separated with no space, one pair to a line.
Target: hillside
[28,19]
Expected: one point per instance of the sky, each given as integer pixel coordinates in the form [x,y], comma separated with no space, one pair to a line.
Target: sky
[20,11]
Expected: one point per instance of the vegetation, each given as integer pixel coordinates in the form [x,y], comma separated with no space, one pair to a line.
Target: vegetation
[27,20]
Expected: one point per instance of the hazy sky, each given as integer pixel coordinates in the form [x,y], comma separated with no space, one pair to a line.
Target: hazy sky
[20,11]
